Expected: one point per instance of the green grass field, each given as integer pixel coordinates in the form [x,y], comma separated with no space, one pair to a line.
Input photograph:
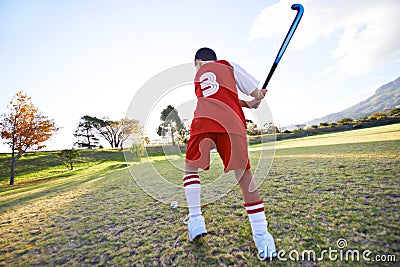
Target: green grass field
[318,190]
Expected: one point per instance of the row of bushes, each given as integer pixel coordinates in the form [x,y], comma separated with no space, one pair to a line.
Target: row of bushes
[345,124]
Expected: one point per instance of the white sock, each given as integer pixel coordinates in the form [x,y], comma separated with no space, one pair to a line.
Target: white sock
[191,183]
[257,217]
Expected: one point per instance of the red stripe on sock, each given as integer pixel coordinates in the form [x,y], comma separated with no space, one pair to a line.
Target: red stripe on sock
[192,182]
[253,204]
[255,211]
[191,176]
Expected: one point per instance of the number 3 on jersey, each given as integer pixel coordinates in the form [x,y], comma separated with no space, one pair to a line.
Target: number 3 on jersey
[209,84]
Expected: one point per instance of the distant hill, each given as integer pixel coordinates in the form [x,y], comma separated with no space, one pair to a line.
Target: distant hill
[385,98]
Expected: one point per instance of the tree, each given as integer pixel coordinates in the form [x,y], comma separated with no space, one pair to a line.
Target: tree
[184,133]
[85,133]
[114,132]
[271,128]
[146,140]
[252,128]
[300,126]
[117,132]
[24,128]
[378,115]
[345,121]
[171,123]
[395,112]
[127,128]
[137,151]
[70,155]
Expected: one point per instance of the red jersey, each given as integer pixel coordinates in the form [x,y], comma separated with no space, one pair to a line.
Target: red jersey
[218,109]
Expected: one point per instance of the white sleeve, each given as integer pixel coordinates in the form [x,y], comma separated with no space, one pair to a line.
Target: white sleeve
[244,81]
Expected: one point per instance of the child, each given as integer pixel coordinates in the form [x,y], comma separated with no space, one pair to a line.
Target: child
[219,123]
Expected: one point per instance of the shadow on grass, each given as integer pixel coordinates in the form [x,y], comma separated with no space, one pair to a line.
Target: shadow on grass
[34,162]
[116,166]
[53,186]
[29,163]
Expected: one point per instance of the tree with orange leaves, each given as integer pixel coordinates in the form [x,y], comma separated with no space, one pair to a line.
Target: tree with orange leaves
[24,128]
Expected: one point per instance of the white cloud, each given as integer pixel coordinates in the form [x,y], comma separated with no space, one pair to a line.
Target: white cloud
[366,32]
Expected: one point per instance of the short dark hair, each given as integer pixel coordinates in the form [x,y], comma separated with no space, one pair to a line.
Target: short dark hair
[205,54]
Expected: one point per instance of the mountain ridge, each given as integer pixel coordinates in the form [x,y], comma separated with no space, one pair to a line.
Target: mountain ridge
[386,97]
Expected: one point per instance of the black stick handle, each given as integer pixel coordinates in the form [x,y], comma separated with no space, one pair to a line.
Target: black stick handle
[270,75]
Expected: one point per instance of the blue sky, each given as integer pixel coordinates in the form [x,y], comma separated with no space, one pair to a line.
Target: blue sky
[78,58]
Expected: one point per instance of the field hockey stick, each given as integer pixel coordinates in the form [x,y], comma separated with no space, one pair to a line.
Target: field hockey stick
[300,11]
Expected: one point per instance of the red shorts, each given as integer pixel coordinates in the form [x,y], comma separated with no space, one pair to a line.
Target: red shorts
[232,149]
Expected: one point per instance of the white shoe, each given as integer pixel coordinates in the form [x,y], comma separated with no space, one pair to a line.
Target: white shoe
[196,227]
[265,245]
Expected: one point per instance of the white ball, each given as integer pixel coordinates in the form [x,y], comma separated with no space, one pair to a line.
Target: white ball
[174,204]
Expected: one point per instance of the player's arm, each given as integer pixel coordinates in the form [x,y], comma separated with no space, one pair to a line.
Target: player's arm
[247,84]
[259,94]
[254,103]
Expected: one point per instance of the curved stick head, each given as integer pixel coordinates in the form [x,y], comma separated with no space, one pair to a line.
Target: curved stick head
[298,7]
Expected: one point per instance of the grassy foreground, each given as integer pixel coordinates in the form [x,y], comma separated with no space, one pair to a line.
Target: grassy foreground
[318,190]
